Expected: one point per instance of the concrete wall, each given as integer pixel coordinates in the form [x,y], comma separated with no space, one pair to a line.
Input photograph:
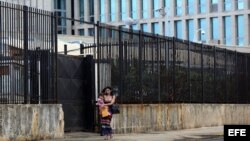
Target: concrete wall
[31,122]
[135,118]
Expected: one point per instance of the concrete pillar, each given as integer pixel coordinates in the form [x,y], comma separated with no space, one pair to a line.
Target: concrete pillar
[246,26]
[97,10]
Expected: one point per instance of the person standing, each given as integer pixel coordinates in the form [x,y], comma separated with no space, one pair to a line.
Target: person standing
[109,100]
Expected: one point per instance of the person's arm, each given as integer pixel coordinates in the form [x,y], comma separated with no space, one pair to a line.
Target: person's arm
[112,102]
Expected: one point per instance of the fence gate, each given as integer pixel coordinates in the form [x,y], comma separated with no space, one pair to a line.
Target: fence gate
[76,92]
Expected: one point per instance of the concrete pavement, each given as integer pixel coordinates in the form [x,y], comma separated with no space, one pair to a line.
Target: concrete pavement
[195,134]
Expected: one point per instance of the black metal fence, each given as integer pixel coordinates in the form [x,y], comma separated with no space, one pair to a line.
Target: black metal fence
[27,55]
[149,68]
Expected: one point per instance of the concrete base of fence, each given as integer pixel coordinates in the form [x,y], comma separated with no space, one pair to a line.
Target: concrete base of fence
[31,122]
[136,118]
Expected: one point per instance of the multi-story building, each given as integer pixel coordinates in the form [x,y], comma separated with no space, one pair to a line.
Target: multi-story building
[211,21]
[223,22]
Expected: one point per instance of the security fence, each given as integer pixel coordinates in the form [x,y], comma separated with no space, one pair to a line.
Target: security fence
[27,55]
[148,68]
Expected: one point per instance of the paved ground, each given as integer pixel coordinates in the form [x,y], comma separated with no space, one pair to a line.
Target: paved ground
[196,134]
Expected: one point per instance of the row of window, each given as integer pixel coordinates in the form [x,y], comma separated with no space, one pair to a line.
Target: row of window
[157,4]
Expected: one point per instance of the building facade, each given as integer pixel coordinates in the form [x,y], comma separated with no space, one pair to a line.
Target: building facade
[224,22]
[211,21]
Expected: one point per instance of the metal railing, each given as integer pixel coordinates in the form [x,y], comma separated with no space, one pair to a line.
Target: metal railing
[149,68]
[27,55]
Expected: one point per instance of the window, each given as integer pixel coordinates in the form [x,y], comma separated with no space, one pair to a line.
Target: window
[190,7]
[215,28]
[178,25]
[190,29]
[202,27]
[156,5]
[178,7]
[240,4]
[240,30]
[155,28]
[102,10]
[91,31]
[144,27]
[214,6]
[202,6]
[134,9]
[91,11]
[227,5]
[81,10]
[123,9]
[227,33]
[112,10]
[81,32]
[145,9]
[167,5]
[60,8]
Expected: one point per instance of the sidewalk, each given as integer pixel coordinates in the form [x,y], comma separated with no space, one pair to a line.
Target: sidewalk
[196,134]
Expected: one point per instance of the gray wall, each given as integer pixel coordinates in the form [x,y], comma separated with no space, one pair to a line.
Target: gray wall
[19,122]
[136,118]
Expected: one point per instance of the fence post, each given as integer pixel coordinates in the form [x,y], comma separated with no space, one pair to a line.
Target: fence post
[214,73]
[189,82]
[98,55]
[25,44]
[158,69]
[236,76]
[39,73]
[65,49]
[174,54]
[140,66]
[202,74]
[120,61]
[225,75]
[81,49]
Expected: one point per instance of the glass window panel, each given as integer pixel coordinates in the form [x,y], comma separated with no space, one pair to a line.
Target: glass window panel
[155,28]
[81,31]
[227,5]
[178,7]
[112,10]
[123,9]
[202,6]
[102,10]
[215,29]
[134,9]
[240,4]
[145,9]
[91,11]
[227,33]
[144,27]
[240,30]
[190,7]
[202,26]
[156,5]
[178,25]
[81,10]
[190,29]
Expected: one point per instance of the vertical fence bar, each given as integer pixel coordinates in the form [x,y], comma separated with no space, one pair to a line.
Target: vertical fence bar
[246,76]
[140,65]
[214,73]
[25,44]
[202,74]
[189,80]
[1,54]
[120,60]
[81,49]
[236,76]
[174,59]
[225,76]
[65,49]
[98,55]
[54,33]
[158,69]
